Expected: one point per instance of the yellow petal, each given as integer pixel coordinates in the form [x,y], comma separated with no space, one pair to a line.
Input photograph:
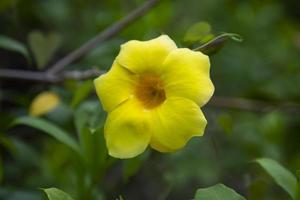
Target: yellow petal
[114,87]
[44,103]
[186,74]
[174,123]
[127,130]
[145,56]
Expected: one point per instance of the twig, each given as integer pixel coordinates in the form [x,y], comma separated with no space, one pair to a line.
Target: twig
[28,75]
[217,101]
[103,36]
[253,105]
[81,75]
[47,77]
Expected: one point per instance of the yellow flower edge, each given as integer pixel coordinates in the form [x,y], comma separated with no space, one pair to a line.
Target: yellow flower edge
[153,94]
[43,103]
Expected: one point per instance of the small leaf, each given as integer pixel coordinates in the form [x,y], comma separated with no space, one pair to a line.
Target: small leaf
[43,46]
[57,194]
[215,44]
[50,129]
[217,192]
[89,114]
[13,45]
[281,175]
[61,115]
[200,31]
[82,92]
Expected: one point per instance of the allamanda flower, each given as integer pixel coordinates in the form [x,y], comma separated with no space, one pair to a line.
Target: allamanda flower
[153,94]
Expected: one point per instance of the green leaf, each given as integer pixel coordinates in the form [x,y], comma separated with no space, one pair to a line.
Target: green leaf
[57,194]
[94,151]
[217,192]
[89,114]
[82,92]
[50,129]
[43,46]
[215,44]
[60,115]
[13,45]
[281,175]
[120,198]
[200,31]
[89,122]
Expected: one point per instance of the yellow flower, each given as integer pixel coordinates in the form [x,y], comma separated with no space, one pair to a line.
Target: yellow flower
[43,103]
[153,94]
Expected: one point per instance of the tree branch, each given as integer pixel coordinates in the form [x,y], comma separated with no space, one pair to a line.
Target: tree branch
[48,77]
[28,75]
[216,101]
[103,36]
[253,105]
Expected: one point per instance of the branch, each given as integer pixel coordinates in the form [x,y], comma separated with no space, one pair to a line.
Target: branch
[253,105]
[28,75]
[103,36]
[82,75]
[219,102]
[48,77]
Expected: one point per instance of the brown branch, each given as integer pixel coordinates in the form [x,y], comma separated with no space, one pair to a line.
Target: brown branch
[81,75]
[47,77]
[28,75]
[253,105]
[103,36]
[219,102]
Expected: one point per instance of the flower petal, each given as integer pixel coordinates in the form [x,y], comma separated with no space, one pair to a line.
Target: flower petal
[145,56]
[174,123]
[186,74]
[127,130]
[115,86]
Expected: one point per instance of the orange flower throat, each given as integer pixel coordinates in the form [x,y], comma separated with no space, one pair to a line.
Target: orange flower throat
[150,91]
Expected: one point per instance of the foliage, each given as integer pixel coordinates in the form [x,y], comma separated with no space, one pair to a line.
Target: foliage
[13,45]
[56,194]
[281,176]
[217,192]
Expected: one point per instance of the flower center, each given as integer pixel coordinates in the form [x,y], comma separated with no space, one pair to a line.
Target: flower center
[150,91]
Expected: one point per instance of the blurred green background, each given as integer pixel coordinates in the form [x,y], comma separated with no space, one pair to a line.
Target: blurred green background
[265,67]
